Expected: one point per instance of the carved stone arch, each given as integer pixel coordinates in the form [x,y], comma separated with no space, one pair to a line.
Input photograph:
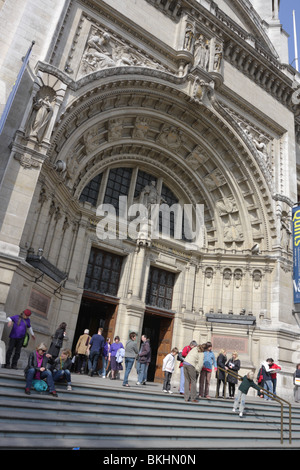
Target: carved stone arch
[222,151]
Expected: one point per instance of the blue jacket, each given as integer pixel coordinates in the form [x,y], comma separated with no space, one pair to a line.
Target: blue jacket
[209,360]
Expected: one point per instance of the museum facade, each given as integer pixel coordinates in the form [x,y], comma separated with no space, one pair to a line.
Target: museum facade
[127,104]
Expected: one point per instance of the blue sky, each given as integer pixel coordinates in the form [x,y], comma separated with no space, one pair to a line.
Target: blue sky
[286,18]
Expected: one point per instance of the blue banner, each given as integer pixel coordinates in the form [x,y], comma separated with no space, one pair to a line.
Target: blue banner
[296,253]
[14,89]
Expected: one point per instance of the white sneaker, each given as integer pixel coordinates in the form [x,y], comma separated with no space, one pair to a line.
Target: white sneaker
[170,391]
[233,409]
[69,387]
[138,383]
[166,391]
[241,415]
[103,376]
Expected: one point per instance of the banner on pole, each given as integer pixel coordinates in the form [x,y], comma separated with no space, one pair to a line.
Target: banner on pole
[15,89]
[296,253]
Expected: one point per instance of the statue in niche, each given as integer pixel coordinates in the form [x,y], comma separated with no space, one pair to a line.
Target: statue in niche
[208,276]
[238,278]
[257,276]
[42,112]
[227,277]
[150,195]
[188,38]
[218,57]
[201,55]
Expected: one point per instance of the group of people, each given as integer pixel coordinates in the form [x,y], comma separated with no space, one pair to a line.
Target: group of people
[89,349]
[196,363]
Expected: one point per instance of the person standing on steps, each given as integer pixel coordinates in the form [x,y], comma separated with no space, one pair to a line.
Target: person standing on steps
[82,350]
[234,365]
[144,358]
[131,351]
[209,361]
[94,350]
[57,340]
[115,367]
[168,369]
[192,365]
[19,324]
[220,374]
[183,354]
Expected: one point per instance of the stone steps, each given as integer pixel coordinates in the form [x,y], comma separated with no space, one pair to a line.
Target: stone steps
[100,413]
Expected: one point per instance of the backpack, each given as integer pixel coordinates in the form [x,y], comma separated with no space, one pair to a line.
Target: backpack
[39,385]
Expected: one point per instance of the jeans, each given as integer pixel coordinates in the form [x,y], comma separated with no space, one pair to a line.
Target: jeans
[167,381]
[104,365]
[93,361]
[142,372]
[268,385]
[30,374]
[60,374]
[129,361]
[181,386]
[240,396]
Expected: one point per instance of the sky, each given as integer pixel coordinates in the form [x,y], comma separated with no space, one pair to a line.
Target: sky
[286,18]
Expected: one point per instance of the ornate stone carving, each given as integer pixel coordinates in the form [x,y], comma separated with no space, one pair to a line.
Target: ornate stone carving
[115,129]
[214,179]
[26,161]
[170,137]
[141,127]
[103,50]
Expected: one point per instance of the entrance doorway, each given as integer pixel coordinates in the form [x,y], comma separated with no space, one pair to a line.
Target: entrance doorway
[94,314]
[159,330]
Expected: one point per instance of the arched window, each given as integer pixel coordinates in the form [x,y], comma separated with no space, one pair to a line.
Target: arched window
[124,181]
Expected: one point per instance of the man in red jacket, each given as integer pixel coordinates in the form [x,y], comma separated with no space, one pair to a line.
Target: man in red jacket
[274,367]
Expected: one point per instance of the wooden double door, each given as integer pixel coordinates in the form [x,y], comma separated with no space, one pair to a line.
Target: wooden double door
[96,313]
[159,330]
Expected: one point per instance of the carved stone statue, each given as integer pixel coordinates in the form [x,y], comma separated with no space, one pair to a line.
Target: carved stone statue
[150,195]
[201,55]
[42,112]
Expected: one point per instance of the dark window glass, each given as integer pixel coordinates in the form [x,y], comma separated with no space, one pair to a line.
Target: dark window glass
[160,288]
[91,191]
[117,185]
[103,272]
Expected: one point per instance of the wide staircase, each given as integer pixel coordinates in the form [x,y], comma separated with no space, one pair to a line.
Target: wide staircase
[101,414]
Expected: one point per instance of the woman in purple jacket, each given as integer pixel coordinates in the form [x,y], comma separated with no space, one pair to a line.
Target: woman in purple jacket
[112,357]
[19,324]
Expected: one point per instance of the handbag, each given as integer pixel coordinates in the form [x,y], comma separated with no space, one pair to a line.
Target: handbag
[180,357]
[25,340]
[297,381]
